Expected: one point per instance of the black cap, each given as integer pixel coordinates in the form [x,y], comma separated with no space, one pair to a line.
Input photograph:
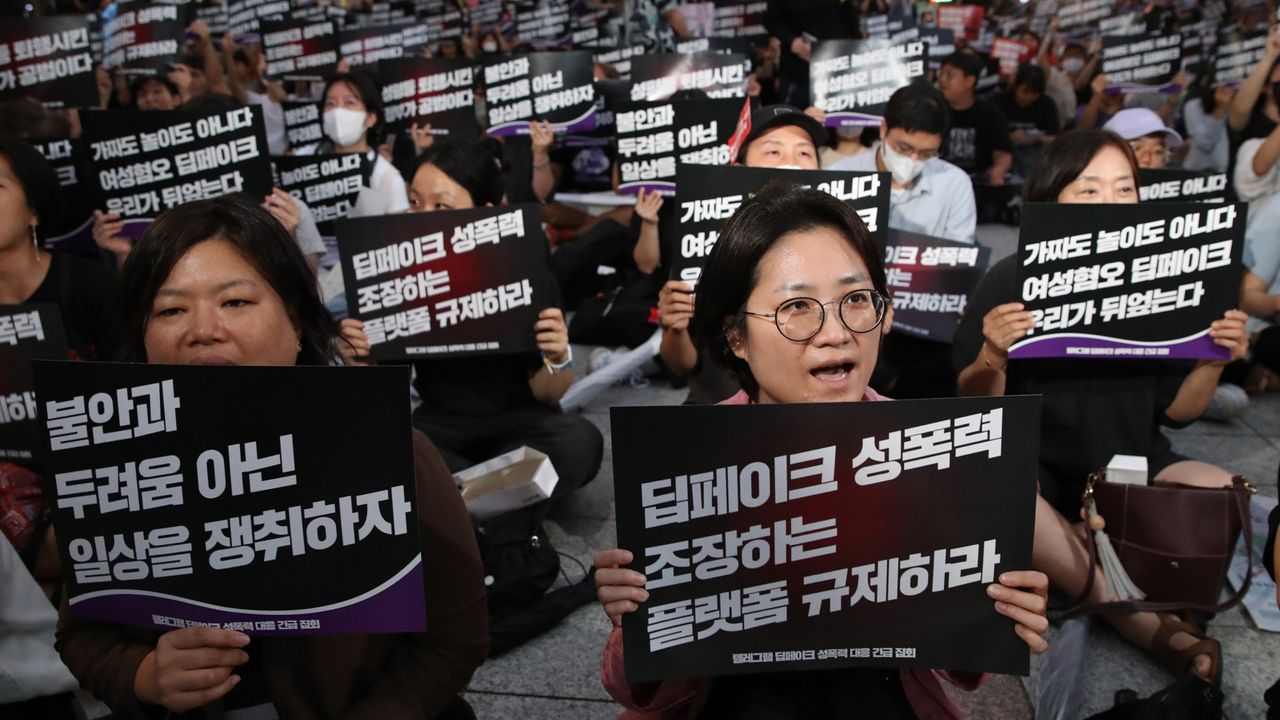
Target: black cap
[769,117]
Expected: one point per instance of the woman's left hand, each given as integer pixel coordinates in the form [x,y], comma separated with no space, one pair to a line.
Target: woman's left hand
[1022,596]
[284,208]
[541,136]
[552,335]
[1229,333]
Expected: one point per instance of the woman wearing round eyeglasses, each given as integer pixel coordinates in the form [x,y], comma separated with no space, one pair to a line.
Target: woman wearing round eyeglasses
[794,304]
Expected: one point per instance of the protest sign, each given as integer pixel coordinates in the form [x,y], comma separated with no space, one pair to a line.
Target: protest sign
[387,13]
[144,37]
[47,59]
[244,17]
[453,282]
[931,280]
[619,58]
[1077,19]
[1126,25]
[1009,53]
[438,92]
[963,20]
[654,137]
[707,196]
[1128,281]
[740,18]
[825,535]
[725,46]
[175,507]
[1175,185]
[939,43]
[328,184]
[1199,43]
[300,50]
[1237,54]
[551,86]
[889,27]
[661,75]
[362,46]
[543,24]
[444,24]
[852,80]
[610,94]
[214,14]
[27,332]
[1142,63]
[147,162]
[71,230]
[302,123]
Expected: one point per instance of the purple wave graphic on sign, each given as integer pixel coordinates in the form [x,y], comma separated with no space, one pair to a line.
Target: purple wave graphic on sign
[583,123]
[398,605]
[1196,347]
[663,187]
[848,118]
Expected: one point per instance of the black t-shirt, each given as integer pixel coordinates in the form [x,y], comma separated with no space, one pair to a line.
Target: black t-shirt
[476,386]
[1040,115]
[976,134]
[83,289]
[1091,409]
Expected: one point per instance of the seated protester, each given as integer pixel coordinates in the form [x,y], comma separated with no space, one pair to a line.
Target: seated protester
[1254,114]
[1205,118]
[929,195]
[478,407]
[1151,140]
[781,137]
[978,140]
[155,92]
[220,279]
[1094,409]
[847,142]
[353,123]
[1033,117]
[1260,298]
[780,238]
[1101,106]
[82,288]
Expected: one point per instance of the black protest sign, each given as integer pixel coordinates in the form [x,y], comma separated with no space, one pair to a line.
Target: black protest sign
[1174,185]
[655,137]
[659,76]
[543,24]
[27,332]
[368,45]
[852,80]
[610,94]
[1082,17]
[445,25]
[144,37]
[175,507]
[1199,43]
[214,14]
[328,184]
[555,87]
[439,92]
[47,59]
[300,50]
[244,17]
[1237,54]
[939,43]
[72,228]
[457,282]
[725,46]
[824,535]
[387,13]
[302,123]
[707,196]
[147,162]
[1128,281]
[931,280]
[1142,63]
[619,58]
[889,27]
[1125,25]
[740,18]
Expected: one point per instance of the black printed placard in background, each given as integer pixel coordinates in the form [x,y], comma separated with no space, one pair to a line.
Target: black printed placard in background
[1128,281]
[447,283]
[71,230]
[725,46]
[939,43]
[244,17]
[619,58]
[1237,53]
[1177,185]
[1141,63]
[328,184]
[852,80]
[303,123]
[740,18]
[544,24]
[47,59]
[551,86]
[439,92]
[175,507]
[655,137]
[27,332]
[361,46]
[144,37]
[707,196]
[661,75]
[1080,18]
[931,280]
[818,536]
[144,163]
[300,50]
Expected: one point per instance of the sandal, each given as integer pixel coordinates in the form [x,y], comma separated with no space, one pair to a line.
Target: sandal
[1179,661]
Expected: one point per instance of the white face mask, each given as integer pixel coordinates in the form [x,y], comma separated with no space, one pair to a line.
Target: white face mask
[489,46]
[903,168]
[1073,64]
[343,126]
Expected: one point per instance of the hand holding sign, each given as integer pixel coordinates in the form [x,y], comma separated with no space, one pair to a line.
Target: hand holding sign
[1002,327]
[648,204]
[190,667]
[675,305]
[1229,333]
[355,347]
[618,589]
[1025,606]
[553,336]
[108,234]
[284,208]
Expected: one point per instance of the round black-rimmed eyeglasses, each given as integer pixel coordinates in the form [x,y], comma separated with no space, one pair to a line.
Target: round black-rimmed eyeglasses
[799,319]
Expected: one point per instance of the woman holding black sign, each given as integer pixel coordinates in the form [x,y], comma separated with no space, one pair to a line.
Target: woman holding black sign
[1094,409]
[784,244]
[221,282]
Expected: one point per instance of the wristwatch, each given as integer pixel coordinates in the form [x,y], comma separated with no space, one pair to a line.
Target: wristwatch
[554,368]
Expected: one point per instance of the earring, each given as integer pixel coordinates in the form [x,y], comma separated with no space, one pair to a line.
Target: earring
[35,242]
[299,346]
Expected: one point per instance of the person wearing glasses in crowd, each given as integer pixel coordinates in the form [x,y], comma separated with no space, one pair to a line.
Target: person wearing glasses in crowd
[1151,140]
[794,304]
[930,196]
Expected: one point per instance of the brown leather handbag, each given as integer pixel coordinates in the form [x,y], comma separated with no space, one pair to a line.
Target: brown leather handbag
[1174,542]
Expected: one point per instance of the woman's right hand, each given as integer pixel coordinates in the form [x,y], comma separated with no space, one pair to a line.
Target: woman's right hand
[190,667]
[648,204]
[619,590]
[355,346]
[107,233]
[421,136]
[675,305]
[1003,326]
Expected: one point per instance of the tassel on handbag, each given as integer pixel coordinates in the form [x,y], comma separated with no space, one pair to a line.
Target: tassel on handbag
[1119,585]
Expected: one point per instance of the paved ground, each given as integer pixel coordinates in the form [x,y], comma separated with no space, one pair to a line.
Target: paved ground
[557,675]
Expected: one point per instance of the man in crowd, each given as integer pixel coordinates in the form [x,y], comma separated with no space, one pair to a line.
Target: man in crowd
[978,141]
